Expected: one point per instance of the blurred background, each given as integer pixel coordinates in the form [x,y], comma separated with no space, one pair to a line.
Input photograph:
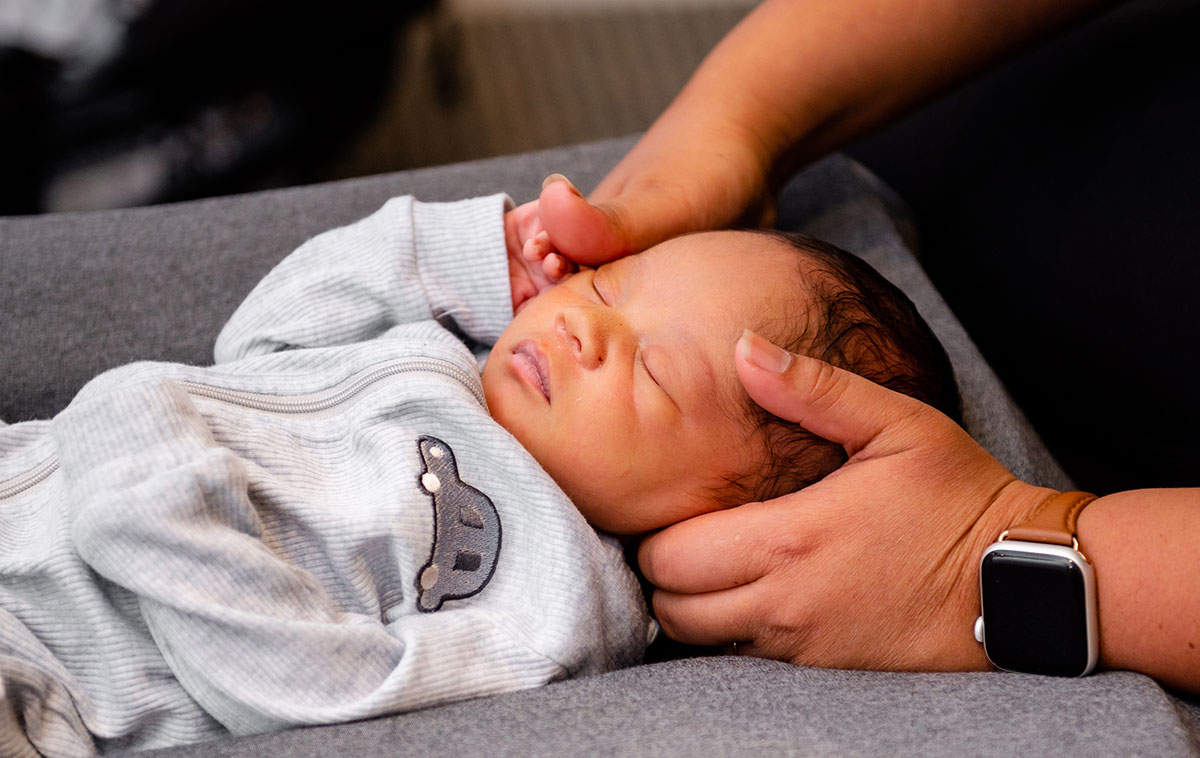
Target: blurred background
[116,103]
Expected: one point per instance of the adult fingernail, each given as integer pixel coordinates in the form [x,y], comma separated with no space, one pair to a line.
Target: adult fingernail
[560,178]
[763,353]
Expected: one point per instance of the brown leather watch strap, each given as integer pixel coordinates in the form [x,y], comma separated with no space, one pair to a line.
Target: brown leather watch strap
[1053,521]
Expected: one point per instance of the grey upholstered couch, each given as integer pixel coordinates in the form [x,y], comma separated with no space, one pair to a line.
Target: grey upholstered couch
[80,293]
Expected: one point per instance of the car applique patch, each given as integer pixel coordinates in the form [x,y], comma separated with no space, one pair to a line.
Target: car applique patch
[466,539]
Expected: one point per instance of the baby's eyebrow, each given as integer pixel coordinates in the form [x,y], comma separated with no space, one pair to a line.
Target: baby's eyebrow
[603,284]
[619,274]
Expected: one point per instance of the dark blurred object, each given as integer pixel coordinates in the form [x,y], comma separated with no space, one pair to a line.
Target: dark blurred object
[202,97]
[25,81]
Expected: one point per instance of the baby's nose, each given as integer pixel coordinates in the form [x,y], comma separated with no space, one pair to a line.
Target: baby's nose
[587,333]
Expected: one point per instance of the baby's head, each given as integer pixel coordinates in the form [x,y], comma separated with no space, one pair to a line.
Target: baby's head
[621,382]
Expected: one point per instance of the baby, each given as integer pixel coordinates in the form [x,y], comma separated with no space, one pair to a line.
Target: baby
[329,524]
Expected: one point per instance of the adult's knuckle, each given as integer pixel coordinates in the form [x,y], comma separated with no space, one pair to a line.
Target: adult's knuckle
[671,618]
[656,558]
[826,386]
[785,640]
[785,555]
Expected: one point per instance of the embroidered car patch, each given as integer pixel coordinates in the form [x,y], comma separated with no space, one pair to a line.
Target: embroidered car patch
[466,531]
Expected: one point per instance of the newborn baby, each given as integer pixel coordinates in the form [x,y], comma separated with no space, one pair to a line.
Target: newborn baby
[340,519]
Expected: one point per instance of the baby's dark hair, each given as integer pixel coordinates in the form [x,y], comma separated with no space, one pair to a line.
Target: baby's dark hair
[856,320]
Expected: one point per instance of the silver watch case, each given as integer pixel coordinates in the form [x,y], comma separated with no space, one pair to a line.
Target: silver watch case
[1038,603]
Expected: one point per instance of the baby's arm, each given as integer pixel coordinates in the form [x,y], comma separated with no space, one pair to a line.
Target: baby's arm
[166,513]
[409,261]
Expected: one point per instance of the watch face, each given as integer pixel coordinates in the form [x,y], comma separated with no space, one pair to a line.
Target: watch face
[1035,612]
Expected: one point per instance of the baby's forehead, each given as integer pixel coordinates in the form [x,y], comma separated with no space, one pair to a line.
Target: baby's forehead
[715,285]
[713,279]
[723,250]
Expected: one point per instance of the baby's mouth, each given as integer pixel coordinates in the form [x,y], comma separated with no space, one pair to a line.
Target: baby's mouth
[531,364]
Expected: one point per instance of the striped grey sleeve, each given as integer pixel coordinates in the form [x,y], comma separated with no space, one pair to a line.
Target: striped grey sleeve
[409,261]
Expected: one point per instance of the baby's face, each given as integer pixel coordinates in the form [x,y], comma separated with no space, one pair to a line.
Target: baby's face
[621,381]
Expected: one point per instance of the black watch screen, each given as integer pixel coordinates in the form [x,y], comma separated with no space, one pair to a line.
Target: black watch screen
[1035,612]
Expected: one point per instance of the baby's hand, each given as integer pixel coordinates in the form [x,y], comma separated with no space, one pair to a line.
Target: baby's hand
[571,214]
[539,250]
[527,276]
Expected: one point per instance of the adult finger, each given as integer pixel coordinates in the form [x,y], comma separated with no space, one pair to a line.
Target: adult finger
[836,404]
[712,618]
[718,550]
[583,232]
[595,233]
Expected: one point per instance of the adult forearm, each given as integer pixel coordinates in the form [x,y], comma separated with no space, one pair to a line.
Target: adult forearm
[1145,546]
[793,81]
[807,76]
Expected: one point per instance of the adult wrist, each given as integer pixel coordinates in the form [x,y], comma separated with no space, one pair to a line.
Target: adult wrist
[1011,504]
[1038,597]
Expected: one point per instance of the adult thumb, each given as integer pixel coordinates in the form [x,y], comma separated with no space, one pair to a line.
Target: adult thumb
[586,234]
[592,233]
[836,404]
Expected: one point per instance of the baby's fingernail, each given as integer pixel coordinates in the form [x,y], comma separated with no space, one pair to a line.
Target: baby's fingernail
[560,178]
[763,353]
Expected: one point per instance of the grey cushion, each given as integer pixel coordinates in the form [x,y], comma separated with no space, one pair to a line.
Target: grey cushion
[80,293]
[748,707]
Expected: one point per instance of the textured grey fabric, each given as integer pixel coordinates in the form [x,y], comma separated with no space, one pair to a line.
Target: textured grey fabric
[737,706]
[81,293]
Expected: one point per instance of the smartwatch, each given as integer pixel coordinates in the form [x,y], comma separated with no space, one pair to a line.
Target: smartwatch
[1038,594]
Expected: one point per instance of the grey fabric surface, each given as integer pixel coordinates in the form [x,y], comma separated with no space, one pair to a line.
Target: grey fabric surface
[80,293]
[739,706]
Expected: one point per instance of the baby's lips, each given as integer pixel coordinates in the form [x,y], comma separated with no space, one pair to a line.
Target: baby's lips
[531,363]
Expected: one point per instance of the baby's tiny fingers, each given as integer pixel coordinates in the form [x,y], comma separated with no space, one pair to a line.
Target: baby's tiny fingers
[537,247]
[556,267]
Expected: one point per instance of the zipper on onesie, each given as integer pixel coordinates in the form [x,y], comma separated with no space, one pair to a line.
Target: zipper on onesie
[339,394]
[28,480]
[313,403]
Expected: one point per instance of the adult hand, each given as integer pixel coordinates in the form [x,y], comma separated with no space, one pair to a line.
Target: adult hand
[701,182]
[875,566]
[790,83]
